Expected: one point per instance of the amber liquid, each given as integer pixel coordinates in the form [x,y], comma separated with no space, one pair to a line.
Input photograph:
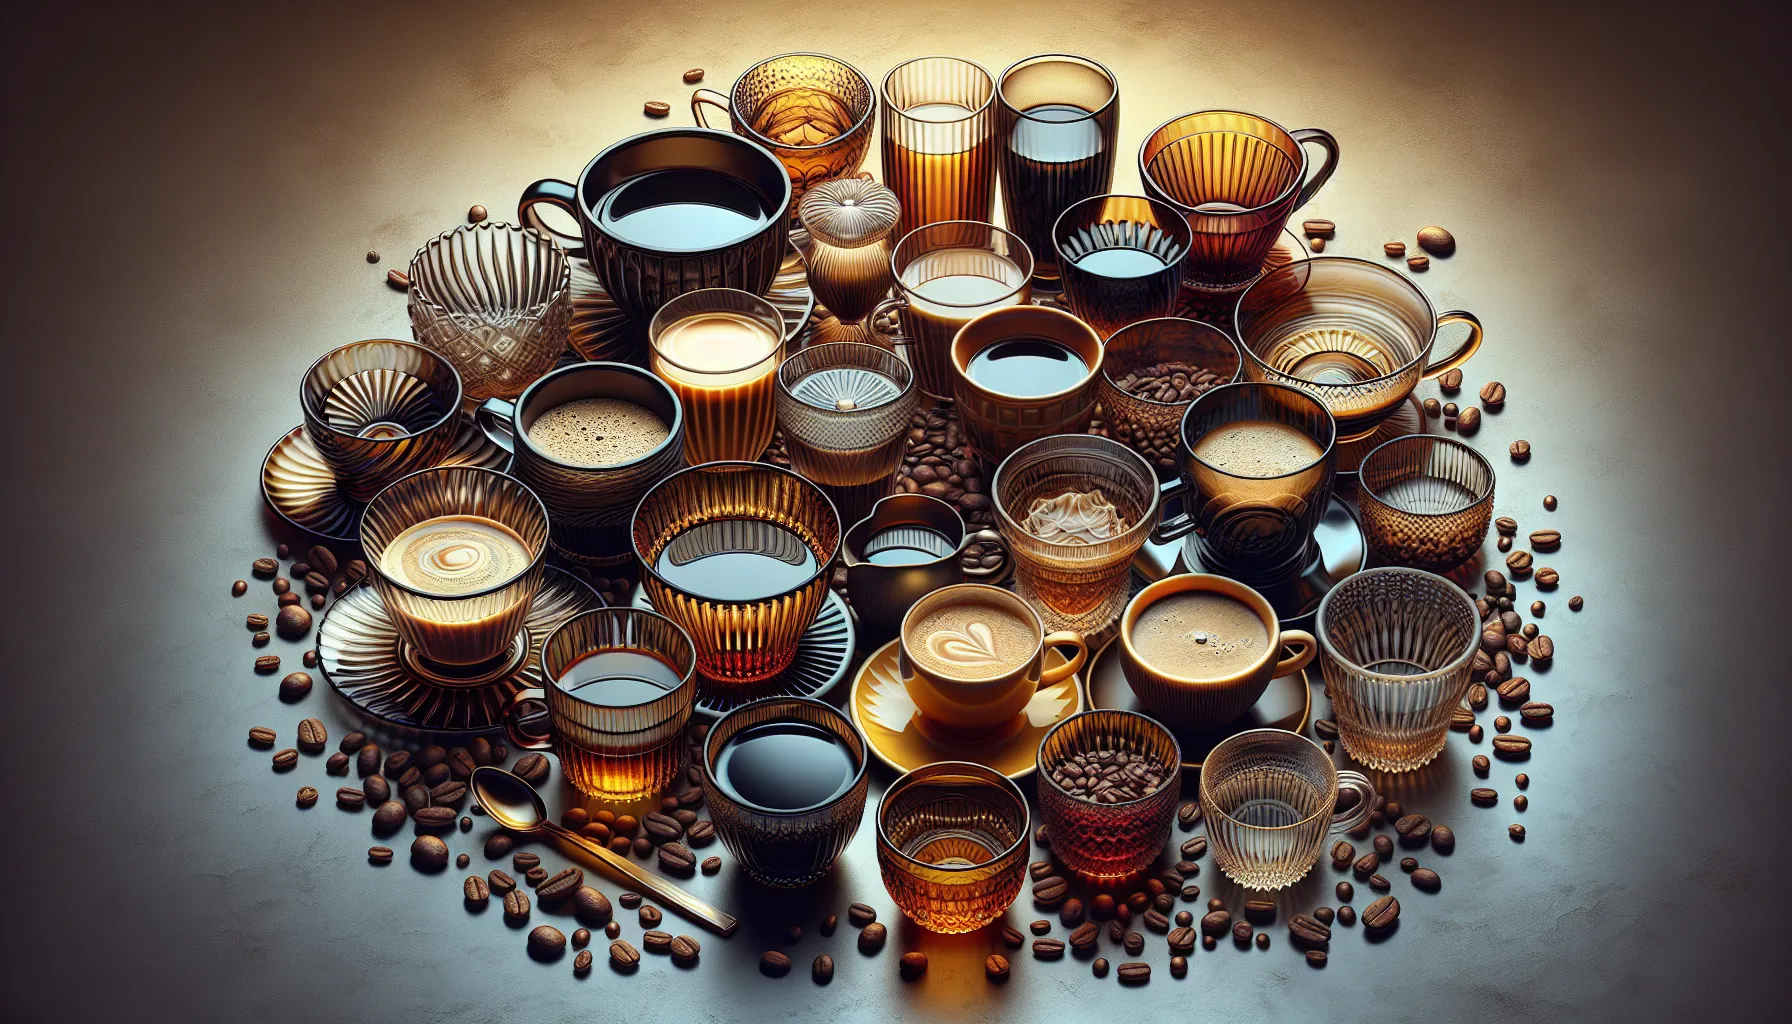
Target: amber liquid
[802,116]
[614,679]
[722,367]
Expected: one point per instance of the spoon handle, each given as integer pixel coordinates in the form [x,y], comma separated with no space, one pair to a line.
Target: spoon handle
[659,888]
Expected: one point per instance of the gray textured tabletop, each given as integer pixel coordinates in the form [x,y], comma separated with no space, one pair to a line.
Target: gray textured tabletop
[190,192]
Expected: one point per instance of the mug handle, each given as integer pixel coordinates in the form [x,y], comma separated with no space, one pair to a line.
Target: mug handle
[1317,179]
[1358,783]
[1467,349]
[711,98]
[1064,638]
[494,418]
[553,192]
[518,738]
[1299,659]
[1176,526]
[893,304]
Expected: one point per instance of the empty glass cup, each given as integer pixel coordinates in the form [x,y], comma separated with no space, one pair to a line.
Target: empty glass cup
[1426,502]
[952,845]
[1270,798]
[377,410]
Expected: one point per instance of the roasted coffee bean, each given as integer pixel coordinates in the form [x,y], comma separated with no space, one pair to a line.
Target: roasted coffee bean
[282,587]
[388,817]
[1469,422]
[415,797]
[336,764]
[516,905]
[995,967]
[1575,603]
[286,760]
[1366,865]
[1506,526]
[1381,914]
[461,764]
[317,583]
[1342,854]
[561,885]
[1516,832]
[1520,450]
[1134,973]
[1443,840]
[1518,563]
[1520,802]
[353,742]
[376,787]
[292,623]
[1436,240]
[256,620]
[367,760]
[1216,922]
[307,796]
[1409,864]
[475,891]
[675,859]
[860,914]
[379,854]
[1546,579]
[1259,910]
[871,938]
[429,853]
[437,819]
[1084,936]
[268,664]
[1308,931]
[581,938]
[239,588]
[589,905]
[912,965]
[264,568]
[661,828]
[1241,933]
[350,799]
[1393,250]
[684,949]
[1414,829]
[312,736]
[1039,927]
[656,941]
[629,900]
[1048,891]
[1039,869]
[1116,931]
[1432,408]
[1418,261]
[261,736]
[397,763]
[1011,936]
[449,794]
[1048,949]
[1512,747]
[322,559]
[627,957]
[1318,228]
[1194,849]
[1549,502]
[1071,913]
[1384,847]
[1546,540]
[1477,697]
[1156,921]
[1099,966]
[581,964]
[1516,690]
[466,825]
[711,865]
[1188,815]
[1543,648]
[1042,837]
[1483,796]
[1502,724]
[481,750]
[1522,780]
[435,775]
[523,860]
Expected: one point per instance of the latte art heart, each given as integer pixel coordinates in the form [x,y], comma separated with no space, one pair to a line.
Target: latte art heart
[972,640]
[973,645]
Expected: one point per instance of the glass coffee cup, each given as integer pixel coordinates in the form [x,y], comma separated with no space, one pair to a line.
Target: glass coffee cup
[1108,785]
[1270,798]
[1023,373]
[813,111]
[718,349]
[947,273]
[1426,502]
[952,845]
[378,410]
[971,656]
[845,408]
[939,142]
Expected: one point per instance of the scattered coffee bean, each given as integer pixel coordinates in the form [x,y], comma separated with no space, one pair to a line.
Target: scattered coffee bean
[1426,880]
[261,736]
[656,108]
[1451,381]
[1522,780]
[388,817]
[711,865]
[1483,796]
[1515,690]
[1512,747]
[1216,922]
[1443,839]
[1520,450]
[1379,884]
[292,623]
[294,687]
[1134,973]
[1318,228]
[475,891]
[1393,250]
[860,914]
[286,760]
[1039,927]
[1575,603]
[337,764]
[656,941]
[1516,832]
[307,796]
[398,280]
[871,938]
[1241,934]
[1409,865]
[1366,865]
[1469,422]
[1048,949]
[1542,648]
[500,882]
[1502,724]
[581,964]
[1381,914]
[1071,913]
[626,957]
[1308,932]
[516,905]
[1493,394]
[462,860]
[1520,802]
[913,964]
[267,665]
[264,568]
[685,949]
[312,736]
[239,588]
[1042,837]
[560,885]
[1048,891]
[379,854]
[1384,847]
[1436,240]
[1418,261]
[429,853]
[995,967]
[1432,408]
[435,819]
[350,799]
[1194,848]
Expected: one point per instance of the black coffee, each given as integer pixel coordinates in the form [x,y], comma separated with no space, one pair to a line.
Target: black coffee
[908,545]
[683,210]
[620,678]
[736,560]
[1027,367]
[1121,263]
[785,766]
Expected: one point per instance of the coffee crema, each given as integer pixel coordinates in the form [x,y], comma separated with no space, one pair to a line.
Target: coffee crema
[1200,635]
[597,432]
[1259,449]
[972,640]
[453,555]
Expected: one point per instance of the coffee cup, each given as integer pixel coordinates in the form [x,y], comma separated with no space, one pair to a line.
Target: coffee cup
[1022,373]
[971,656]
[590,439]
[1199,650]
[379,410]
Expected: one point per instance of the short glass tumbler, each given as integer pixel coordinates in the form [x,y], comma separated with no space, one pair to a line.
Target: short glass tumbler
[845,409]
[1398,648]
[496,299]
[1120,258]
[952,845]
[1426,502]
[378,410]
[1270,799]
[1150,372]
[1103,840]
[785,848]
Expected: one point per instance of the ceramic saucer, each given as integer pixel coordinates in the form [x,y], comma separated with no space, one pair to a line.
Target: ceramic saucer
[901,738]
[300,487]
[1286,704]
[822,657]
[362,657]
[600,330]
[1338,549]
[1409,418]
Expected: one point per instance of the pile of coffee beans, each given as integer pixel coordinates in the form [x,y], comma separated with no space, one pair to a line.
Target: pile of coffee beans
[1109,776]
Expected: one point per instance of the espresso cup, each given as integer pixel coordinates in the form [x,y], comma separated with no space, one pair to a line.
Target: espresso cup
[1270,798]
[1171,680]
[378,410]
[813,111]
[734,201]
[908,547]
[1003,401]
[590,495]
[971,656]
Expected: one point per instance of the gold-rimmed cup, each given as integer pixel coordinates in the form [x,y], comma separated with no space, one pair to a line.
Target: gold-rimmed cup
[380,409]
[952,845]
[978,671]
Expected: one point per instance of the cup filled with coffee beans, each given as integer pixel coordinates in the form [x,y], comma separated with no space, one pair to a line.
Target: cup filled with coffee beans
[1108,783]
[1150,372]
[972,656]
[1270,797]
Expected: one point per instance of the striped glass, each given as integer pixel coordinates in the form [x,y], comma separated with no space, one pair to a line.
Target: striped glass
[939,140]
[730,412]
[1398,648]
[1108,841]
[1057,117]
[1426,502]
[845,409]
[952,845]
[1270,799]
[377,410]
[1120,258]
[947,274]
[851,229]
[811,110]
[1150,422]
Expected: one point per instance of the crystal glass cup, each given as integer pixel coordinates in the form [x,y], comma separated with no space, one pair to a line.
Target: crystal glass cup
[1426,502]
[845,408]
[1399,648]
[609,749]
[1057,116]
[378,410]
[496,299]
[1099,838]
[997,420]
[785,848]
[729,400]
[813,111]
[1150,372]
[947,274]
[1270,798]
[1120,259]
[1074,510]
[468,628]
[939,152]
[952,845]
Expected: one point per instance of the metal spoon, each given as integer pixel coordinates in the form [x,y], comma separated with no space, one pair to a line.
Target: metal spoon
[516,805]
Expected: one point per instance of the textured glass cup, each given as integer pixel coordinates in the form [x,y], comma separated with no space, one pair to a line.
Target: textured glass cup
[1057,116]
[785,848]
[1108,841]
[997,423]
[813,111]
[496,300]
[1426,502]
[845,410]
[464,629]
[1270,799]
[613,752]
[377,410]
[738,641]
[850,227]
[730,411]
[1120,259]
[1075,583]
[1150,421]
[1399,647]
[1354,334]
[939,141]
[1237,177]
[590,506]
[1253,529]
[946,275]
[952,845]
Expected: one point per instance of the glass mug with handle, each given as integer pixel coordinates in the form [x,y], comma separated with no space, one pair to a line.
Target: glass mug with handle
[972,656]
[813,111]
[1270,798]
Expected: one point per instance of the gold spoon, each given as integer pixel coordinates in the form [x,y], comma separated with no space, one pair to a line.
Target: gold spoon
[516,805]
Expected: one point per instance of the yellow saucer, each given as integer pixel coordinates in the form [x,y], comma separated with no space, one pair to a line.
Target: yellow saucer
[900,738]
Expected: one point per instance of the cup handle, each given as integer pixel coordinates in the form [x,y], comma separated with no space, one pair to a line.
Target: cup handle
[1465,350]
[893,304]
[1172,527]
[1299,659]
[1359,783]
[1317,179]
[1064,638]
[494,417]
[711,98]
[518,738]
[553,192]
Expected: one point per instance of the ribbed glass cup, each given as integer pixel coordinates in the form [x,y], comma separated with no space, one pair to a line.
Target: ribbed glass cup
[377,410]
[939,140]
[1120,258]
[952,845]
[1270,798]
[1058,118]
[1150,421]
[496,299]
[1108,841]
[738,641]
[1426,501]
[932,265]
[845,408]
[730,412]
[785,848]
[851,228]
[457,629]
[1398,648]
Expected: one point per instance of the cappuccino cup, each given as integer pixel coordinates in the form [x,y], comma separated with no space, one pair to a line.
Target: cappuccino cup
[971,656]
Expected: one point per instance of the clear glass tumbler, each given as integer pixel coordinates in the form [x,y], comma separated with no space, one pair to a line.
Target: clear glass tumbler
[1270,799]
